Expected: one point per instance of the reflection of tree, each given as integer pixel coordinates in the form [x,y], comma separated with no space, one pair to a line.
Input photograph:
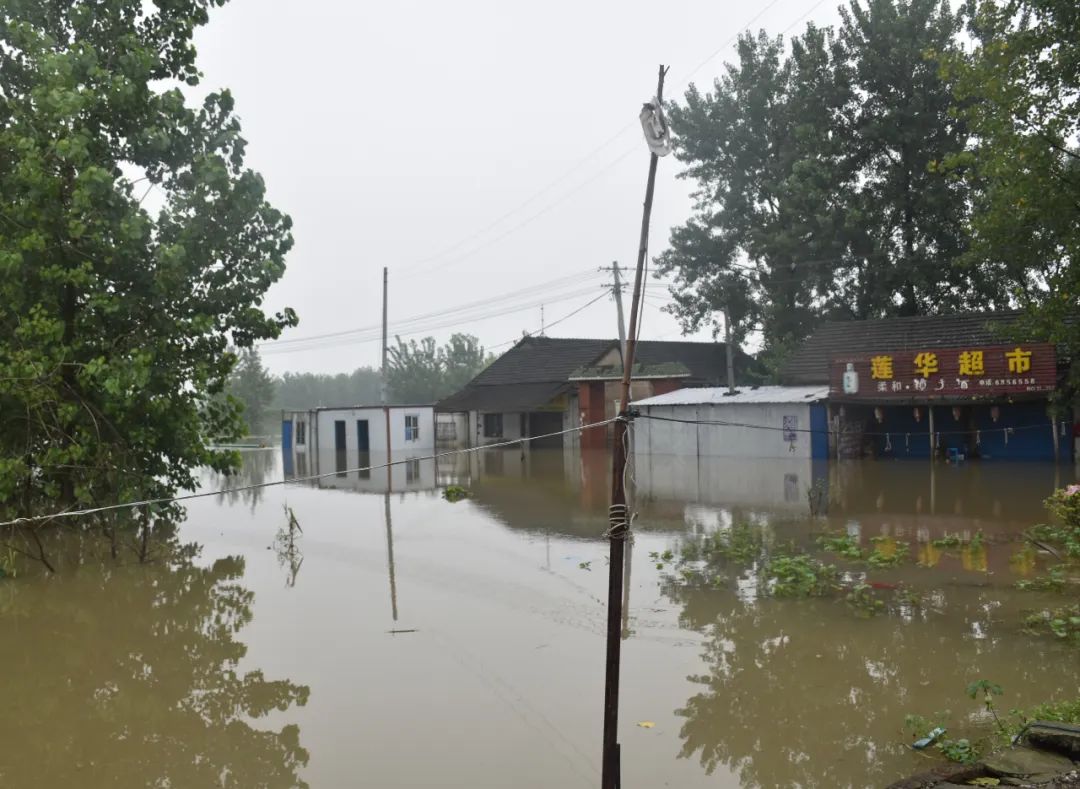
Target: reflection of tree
[802,693]
[258,466]
[128,676]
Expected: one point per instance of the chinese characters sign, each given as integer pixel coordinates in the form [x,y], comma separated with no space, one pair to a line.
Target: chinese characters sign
[946,372]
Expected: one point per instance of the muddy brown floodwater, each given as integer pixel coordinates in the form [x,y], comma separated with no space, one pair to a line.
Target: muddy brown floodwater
[404,641]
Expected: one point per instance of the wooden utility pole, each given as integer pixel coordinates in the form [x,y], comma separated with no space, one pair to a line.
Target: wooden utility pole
[619,515]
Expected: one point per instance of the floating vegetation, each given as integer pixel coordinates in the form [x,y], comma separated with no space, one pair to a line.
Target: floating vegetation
[800,576]
[1054,580]
[841,544]
[1064,623]
[864,600]
[661,559]
[887,552]
[455,493]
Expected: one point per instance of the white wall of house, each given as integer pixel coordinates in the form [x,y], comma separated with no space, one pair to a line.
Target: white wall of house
[452,429]
[511,428]
[375,416]
[703,440]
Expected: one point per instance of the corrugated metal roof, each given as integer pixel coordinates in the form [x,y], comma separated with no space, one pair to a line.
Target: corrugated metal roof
[743,395]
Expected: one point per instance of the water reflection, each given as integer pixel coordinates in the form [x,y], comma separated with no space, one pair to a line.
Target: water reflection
[258,466]
[363,472]
[128,675]
[801,693]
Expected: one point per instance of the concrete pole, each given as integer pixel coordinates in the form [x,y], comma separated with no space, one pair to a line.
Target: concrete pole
[617,291]
[382,381]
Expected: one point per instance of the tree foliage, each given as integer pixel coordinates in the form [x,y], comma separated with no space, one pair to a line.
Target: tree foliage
[309,390]
[254,387]
[1020,88]
[116,323]
[818,191]
[422,372]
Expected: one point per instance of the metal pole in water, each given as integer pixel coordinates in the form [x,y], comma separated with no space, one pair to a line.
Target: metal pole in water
[618,518]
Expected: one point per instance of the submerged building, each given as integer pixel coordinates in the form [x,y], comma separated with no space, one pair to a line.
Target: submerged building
[952,386]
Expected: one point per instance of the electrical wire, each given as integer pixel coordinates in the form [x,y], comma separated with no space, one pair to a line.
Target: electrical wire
[548,326]
[429,326]
[827,431]
[680,82]
[487,303]
[310,478]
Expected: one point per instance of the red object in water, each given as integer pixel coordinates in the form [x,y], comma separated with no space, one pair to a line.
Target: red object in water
[883,585]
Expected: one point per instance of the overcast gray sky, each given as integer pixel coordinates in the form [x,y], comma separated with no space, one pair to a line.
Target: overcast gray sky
[477,149]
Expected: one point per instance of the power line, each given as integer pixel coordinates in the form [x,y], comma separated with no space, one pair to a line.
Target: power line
[431,326]
[553,323]
[575,167]
[275,483]
[480,303]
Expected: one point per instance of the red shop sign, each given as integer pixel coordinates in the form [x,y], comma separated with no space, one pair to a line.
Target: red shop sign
[979,371]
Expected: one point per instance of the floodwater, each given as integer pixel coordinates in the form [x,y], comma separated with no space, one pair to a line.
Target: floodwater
[405,641]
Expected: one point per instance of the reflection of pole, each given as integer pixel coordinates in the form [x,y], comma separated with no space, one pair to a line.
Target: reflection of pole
[390,556]
[619,515]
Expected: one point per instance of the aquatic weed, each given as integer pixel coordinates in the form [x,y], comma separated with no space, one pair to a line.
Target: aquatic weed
[863,599]
[800,576]
[455,493]
[1062,622]
[842,544]
[887,552]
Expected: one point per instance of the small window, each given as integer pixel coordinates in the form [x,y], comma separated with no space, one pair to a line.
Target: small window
[412,470]
[493,427]
[412,427]
[301,433]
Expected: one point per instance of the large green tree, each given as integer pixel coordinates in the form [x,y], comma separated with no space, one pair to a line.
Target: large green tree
[818,191]
[116,321]
[423,372]
[254,387]
[1019,89]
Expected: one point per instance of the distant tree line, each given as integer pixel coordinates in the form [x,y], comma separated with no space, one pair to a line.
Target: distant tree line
[419,372]
[910,161]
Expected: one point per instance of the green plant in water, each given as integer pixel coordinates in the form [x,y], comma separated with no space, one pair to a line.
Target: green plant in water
[977,541]
[585,566]
[841,544]
[800,576]
[961,750]
[987,690]
[887,552]
[1062,622]
[864,601]
[742,543]
[455,493]
[1053,581]
[948,541]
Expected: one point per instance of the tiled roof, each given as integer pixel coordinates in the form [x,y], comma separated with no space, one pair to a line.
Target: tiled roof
[809,364]
[718,395]
[541,359]
[503,397]
[551,361]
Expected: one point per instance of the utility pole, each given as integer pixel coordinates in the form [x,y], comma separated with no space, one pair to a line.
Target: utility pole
[541,320]
[730,353]
[616,290]
[382,382]
[619,526]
